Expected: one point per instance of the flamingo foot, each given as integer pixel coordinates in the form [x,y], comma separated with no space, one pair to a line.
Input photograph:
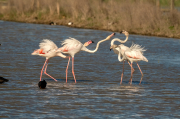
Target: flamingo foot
[141,79]
[130,82]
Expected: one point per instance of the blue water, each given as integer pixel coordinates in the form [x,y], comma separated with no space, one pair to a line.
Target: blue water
[97,93]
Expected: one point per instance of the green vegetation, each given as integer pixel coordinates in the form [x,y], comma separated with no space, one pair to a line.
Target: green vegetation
[135,16]
[167,2]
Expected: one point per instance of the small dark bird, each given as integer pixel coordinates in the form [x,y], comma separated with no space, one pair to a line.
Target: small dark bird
[52,23]
[2,80]
[42,84]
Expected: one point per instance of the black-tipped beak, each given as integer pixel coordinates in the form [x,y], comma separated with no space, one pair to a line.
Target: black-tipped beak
[114,34]
[92,41]
[120,32]
[110,49]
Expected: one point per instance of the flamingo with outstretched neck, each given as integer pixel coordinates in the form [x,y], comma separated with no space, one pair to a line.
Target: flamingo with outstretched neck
[72,46]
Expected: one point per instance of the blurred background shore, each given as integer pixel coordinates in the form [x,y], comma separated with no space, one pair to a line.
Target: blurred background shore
[145,17]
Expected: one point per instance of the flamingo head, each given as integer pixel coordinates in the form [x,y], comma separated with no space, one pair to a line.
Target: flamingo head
[110,36]
[113,47]
[125,32]
[88,43]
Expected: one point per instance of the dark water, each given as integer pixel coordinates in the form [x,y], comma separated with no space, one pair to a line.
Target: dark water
[97,93]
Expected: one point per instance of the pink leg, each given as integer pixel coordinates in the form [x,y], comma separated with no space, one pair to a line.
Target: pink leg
[141,73]
[48,74]
[132,71]
[67,68]
[130,65]
[42,69]
[122,73]
[73,69]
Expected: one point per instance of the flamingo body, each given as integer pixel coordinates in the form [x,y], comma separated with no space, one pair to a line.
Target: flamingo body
[48,50]
[132,54]
[72,46]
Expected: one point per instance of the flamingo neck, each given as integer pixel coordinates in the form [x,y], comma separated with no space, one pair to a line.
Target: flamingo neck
[97,46]
[119,40]
[119,57]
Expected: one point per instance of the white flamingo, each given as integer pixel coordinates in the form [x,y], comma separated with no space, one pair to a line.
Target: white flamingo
[134,54]
[72,46]
[48,50]
[120,49]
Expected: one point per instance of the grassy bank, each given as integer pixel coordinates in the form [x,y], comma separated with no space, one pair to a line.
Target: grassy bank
[135,16]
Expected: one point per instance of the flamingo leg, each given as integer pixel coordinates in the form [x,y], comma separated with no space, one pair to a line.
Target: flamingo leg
[67,68]
[130,65]
[122,73]
[47,73]
[43,68]
[132,71]
[73,69]
[141,73]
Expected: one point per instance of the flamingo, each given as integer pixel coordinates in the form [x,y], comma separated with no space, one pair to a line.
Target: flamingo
[48,50]
[72,46]
[134,53]
[120,48]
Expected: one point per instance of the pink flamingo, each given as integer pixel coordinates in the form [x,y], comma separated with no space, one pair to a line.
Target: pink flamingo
[133,54]
[48,49]
[72,46]
[120,48]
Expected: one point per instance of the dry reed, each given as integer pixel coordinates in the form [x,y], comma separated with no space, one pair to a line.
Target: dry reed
[135,16]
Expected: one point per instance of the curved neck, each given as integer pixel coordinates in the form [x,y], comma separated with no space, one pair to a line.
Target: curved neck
[119,40]
[119,57]
[97,46]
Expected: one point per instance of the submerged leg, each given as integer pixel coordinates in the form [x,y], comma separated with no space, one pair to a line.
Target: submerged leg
[132,71]
[46,73]
[73,69]
[42,69]
[122,73]
[141,73]
[67,68]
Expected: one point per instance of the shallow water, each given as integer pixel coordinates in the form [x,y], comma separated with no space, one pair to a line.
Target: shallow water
[97,93]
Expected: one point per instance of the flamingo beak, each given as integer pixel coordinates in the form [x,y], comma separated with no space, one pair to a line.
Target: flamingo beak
[110,48]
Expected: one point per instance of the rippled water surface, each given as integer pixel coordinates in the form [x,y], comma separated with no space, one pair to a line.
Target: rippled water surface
[97,93]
